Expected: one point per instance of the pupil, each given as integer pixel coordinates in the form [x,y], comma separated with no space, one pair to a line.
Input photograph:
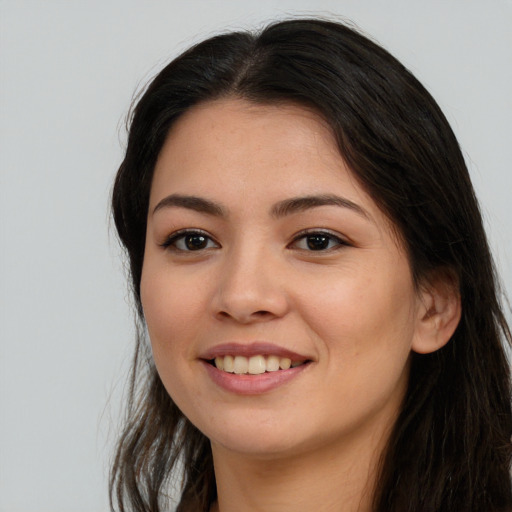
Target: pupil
[317,242]
[195,242]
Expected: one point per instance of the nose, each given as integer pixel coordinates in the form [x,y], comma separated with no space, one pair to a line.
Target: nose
[251,288]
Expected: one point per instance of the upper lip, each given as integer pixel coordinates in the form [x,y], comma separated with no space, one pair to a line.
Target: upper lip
[251,349]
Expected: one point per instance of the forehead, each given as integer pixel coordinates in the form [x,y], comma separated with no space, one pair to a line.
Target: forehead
[229,127]
[236,139]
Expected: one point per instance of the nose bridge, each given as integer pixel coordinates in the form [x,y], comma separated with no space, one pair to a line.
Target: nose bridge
[250,287]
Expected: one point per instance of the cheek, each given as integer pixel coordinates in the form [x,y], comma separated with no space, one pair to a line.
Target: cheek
[170,311]
[169,314]
[365,329]
[358,313]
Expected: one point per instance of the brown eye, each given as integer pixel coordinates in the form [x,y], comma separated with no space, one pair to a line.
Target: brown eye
[190,241]
[195,242]
[318,241]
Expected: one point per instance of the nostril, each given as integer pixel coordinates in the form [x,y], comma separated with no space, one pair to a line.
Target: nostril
[255,316]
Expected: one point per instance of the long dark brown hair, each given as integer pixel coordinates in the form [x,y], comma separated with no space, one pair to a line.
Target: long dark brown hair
[450,449]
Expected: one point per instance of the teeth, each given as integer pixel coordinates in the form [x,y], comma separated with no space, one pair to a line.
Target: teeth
[241,364]
[257,364]
[254,365]
[272,363]
[229,364]
[285,363]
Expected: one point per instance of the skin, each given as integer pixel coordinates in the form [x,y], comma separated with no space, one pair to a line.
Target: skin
[352,308]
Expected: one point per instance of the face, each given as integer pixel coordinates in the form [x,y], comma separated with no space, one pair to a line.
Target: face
[278,300]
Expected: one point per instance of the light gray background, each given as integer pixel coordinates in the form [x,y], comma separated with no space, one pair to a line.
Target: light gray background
[68,72]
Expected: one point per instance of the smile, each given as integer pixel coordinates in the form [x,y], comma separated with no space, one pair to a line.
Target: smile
[254,365]
[253,368]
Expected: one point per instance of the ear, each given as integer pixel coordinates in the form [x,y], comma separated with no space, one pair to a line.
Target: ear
[438,312]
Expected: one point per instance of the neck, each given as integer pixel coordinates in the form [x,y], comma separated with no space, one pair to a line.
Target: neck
[335,478]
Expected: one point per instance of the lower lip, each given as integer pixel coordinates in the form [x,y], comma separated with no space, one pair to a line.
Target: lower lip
[252,384]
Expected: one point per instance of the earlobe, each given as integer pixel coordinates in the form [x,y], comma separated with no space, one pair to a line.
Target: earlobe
[438,313]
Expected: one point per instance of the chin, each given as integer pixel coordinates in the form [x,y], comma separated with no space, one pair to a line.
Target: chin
[258,437]
[256,446]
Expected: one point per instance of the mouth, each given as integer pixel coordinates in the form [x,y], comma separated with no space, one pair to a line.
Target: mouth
[256,364]
[253,368]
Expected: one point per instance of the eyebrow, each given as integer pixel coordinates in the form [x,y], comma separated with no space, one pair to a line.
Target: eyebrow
[197,204]
[300,204]
[281,209]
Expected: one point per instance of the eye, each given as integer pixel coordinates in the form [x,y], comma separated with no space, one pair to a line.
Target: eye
[317,241]
[189,241]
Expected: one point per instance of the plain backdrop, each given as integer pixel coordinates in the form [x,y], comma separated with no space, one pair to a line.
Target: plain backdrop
[68,72]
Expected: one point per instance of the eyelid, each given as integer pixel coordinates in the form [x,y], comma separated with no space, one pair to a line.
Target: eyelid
[176,235]
[171,239]
[341,241]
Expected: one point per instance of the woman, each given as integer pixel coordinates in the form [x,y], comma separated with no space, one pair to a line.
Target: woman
[308,257]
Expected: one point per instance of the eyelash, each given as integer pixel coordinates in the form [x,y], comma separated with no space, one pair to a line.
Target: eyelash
[172,241]
[319,233]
